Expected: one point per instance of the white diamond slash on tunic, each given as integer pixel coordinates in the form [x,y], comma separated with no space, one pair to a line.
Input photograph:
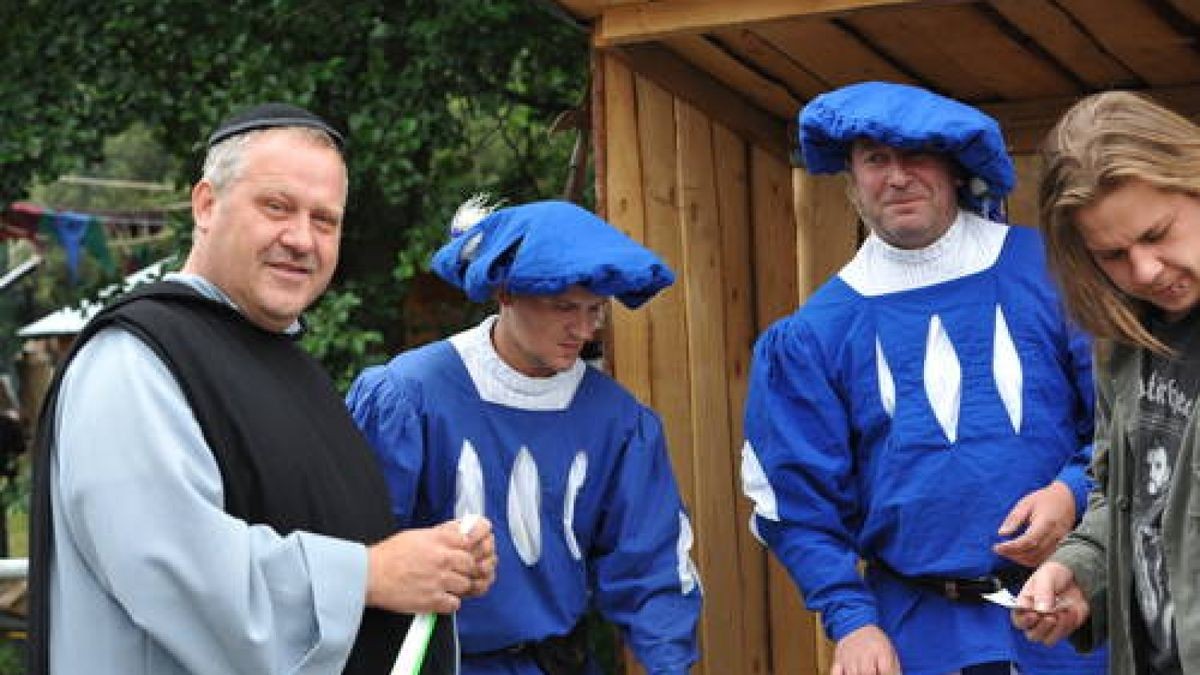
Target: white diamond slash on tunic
[574,485]
[1006,365]
[468,493]
[887,386]
[525,508]
[943,378]
[1006,368]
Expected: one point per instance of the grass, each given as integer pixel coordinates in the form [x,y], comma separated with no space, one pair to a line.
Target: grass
[12,646]
[18,534]
[12,658]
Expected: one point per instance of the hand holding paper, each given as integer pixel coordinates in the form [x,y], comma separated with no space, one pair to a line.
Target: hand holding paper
[1051,605]
[1006,599]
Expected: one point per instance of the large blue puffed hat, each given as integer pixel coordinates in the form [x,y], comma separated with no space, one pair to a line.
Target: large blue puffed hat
[543,248]
[907,117]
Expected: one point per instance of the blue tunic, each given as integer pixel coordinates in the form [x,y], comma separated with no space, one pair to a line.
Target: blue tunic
[903,426]
[575,478]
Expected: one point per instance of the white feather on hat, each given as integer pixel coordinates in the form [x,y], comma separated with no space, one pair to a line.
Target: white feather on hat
[471,211]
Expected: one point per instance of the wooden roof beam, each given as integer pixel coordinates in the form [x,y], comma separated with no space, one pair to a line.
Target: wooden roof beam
[699,88]
[1026,123]
[648,21]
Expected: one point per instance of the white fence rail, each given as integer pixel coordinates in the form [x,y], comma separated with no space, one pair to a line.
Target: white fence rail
[14,568]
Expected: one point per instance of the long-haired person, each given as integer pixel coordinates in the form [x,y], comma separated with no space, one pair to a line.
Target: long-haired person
[1120,207]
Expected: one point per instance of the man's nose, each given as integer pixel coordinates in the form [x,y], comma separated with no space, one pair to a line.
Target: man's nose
[1145,266]
[584,323]
[298,234]
[897,174]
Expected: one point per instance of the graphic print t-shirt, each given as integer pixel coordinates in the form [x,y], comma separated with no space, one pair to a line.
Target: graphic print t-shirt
[1167,396]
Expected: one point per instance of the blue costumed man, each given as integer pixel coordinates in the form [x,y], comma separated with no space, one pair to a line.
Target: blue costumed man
[928,411]
[507,421]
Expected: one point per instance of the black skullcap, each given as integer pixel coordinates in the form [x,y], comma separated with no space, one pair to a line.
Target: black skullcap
[269,116]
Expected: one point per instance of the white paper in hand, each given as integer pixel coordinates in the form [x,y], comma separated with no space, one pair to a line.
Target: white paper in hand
[1002,597]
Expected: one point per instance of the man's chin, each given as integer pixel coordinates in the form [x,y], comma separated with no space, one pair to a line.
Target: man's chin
[907,218]
[287,310]
[564,364]
[911,232]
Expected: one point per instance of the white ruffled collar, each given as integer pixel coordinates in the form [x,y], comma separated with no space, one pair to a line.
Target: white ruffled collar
[498,382]
[971,245]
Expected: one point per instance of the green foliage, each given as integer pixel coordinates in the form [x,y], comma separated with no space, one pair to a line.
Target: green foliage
[440,98]
[12,657]
[334,340]
[131,155]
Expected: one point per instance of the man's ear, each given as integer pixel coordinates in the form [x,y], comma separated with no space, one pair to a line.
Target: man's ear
[503,298]
[204,201]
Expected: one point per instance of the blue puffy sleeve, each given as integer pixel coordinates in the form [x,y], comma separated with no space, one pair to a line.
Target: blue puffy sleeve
[645,580]
[388,416]
[1075,472]
[797,467]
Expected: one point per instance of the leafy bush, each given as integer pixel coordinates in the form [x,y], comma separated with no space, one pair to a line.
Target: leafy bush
[334,339]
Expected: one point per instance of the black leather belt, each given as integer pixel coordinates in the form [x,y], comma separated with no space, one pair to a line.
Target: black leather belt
[969,589]
[518,649]
[554,655]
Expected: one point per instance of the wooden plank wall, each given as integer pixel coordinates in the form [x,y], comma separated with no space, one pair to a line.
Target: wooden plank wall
[721,211]
[663,163]
[1022,203]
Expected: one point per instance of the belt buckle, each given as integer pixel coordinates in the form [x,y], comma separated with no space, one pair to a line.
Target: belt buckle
[994,582]
[978,587]
[973,589]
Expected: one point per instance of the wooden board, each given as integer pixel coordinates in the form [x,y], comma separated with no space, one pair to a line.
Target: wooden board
[752,48]
[1140,38]
[673,73]
[669,376]
[833,56]
[827,228]
[712,59]
[623,206]
[749,565]
[975,59]
[703,281]
[655,20]
[1058,34]
[1022,203]
[776,271]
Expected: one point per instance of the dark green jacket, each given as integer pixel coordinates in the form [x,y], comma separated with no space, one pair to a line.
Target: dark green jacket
[1100,550]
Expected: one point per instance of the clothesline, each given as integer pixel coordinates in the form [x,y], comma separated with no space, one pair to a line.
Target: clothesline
[78,231]
[27,215]
[118,183]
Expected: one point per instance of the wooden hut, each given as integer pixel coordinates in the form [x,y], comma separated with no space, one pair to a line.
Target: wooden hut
[693,118]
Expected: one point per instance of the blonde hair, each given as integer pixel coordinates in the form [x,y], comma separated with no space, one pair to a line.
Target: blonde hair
[1100,144]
